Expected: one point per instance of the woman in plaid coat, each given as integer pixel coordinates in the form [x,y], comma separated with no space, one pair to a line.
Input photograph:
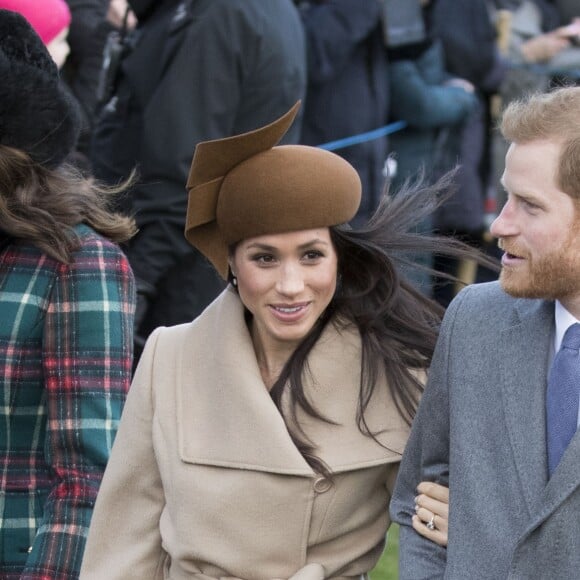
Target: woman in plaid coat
[66,319]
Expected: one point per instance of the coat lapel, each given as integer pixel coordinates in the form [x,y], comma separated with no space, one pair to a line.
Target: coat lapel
[221,378]
[564,481]
[333,385]
[220,373]
[523,383]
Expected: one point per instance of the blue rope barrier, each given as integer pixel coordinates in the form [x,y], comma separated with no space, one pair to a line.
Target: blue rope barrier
[362,137]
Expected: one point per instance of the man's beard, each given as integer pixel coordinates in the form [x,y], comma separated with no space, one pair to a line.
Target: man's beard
[553,276]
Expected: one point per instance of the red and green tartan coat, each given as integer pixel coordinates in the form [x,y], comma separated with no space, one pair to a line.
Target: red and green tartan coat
[66,340]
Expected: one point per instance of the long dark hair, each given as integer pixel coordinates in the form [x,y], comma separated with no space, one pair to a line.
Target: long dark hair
[398,324]
[44,205]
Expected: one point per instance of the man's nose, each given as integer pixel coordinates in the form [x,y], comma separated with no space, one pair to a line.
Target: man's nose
[505,223]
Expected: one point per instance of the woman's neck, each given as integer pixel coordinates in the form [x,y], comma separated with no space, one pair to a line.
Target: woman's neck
[271,357]
[269,372]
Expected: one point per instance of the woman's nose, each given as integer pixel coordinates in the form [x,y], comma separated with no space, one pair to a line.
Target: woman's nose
[291,280]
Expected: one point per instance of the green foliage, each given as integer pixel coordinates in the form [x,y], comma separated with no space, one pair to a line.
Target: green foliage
[388,566]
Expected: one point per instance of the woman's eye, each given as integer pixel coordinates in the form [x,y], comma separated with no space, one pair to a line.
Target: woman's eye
[313,255]
[263,258]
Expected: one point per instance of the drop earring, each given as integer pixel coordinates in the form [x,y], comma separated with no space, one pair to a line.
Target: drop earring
[234,281]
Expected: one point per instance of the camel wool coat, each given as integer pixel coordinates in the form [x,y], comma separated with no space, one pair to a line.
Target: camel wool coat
[204,481]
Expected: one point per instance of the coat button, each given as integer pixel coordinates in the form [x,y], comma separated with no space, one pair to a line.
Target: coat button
[322,484]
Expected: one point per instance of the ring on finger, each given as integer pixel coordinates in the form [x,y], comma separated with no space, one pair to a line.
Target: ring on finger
[431,523]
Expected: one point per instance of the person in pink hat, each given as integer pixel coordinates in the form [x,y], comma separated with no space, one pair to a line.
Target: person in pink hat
[50,20]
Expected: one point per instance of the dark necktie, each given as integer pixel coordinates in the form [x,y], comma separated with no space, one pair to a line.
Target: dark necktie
[562,397]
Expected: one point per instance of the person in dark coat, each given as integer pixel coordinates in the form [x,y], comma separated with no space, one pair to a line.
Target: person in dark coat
[87,36]
[193,71]
[435,105]
[348,86]
[92,22]
[469,40]
[429,99]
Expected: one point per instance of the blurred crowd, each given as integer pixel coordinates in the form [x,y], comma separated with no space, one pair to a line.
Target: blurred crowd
[103,103]
[154,78]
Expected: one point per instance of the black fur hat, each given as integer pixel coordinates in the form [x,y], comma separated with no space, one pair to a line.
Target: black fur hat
[36,113]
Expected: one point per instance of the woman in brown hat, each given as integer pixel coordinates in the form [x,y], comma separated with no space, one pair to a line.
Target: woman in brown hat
[262,440]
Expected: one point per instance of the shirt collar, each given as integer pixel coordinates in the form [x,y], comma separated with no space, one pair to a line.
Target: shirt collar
[563,320]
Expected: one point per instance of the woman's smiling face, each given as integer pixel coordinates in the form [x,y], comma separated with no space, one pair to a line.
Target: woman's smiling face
[286,281]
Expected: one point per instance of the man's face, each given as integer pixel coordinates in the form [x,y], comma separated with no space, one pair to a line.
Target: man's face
[538,228]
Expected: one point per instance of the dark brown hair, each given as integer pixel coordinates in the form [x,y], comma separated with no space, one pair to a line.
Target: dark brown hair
[397,323]
[44,205]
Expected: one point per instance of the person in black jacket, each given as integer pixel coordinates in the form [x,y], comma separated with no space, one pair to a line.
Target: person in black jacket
[92,22]
[194,70]
[348,86]
[436,106]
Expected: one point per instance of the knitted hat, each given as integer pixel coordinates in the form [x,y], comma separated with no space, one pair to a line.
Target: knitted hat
[36,114]
[48,17]
[246,186]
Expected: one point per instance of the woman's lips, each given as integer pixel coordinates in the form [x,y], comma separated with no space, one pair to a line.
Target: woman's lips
[289,312]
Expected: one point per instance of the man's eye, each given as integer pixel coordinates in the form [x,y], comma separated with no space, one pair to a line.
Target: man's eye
[529,205]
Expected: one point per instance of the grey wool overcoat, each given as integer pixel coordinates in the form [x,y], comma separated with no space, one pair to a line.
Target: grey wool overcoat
[204,481]
[481,426]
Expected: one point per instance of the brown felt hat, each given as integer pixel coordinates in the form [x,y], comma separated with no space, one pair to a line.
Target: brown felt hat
[246,186]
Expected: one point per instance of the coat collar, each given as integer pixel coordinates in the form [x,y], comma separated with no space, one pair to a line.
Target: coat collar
[220,378]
